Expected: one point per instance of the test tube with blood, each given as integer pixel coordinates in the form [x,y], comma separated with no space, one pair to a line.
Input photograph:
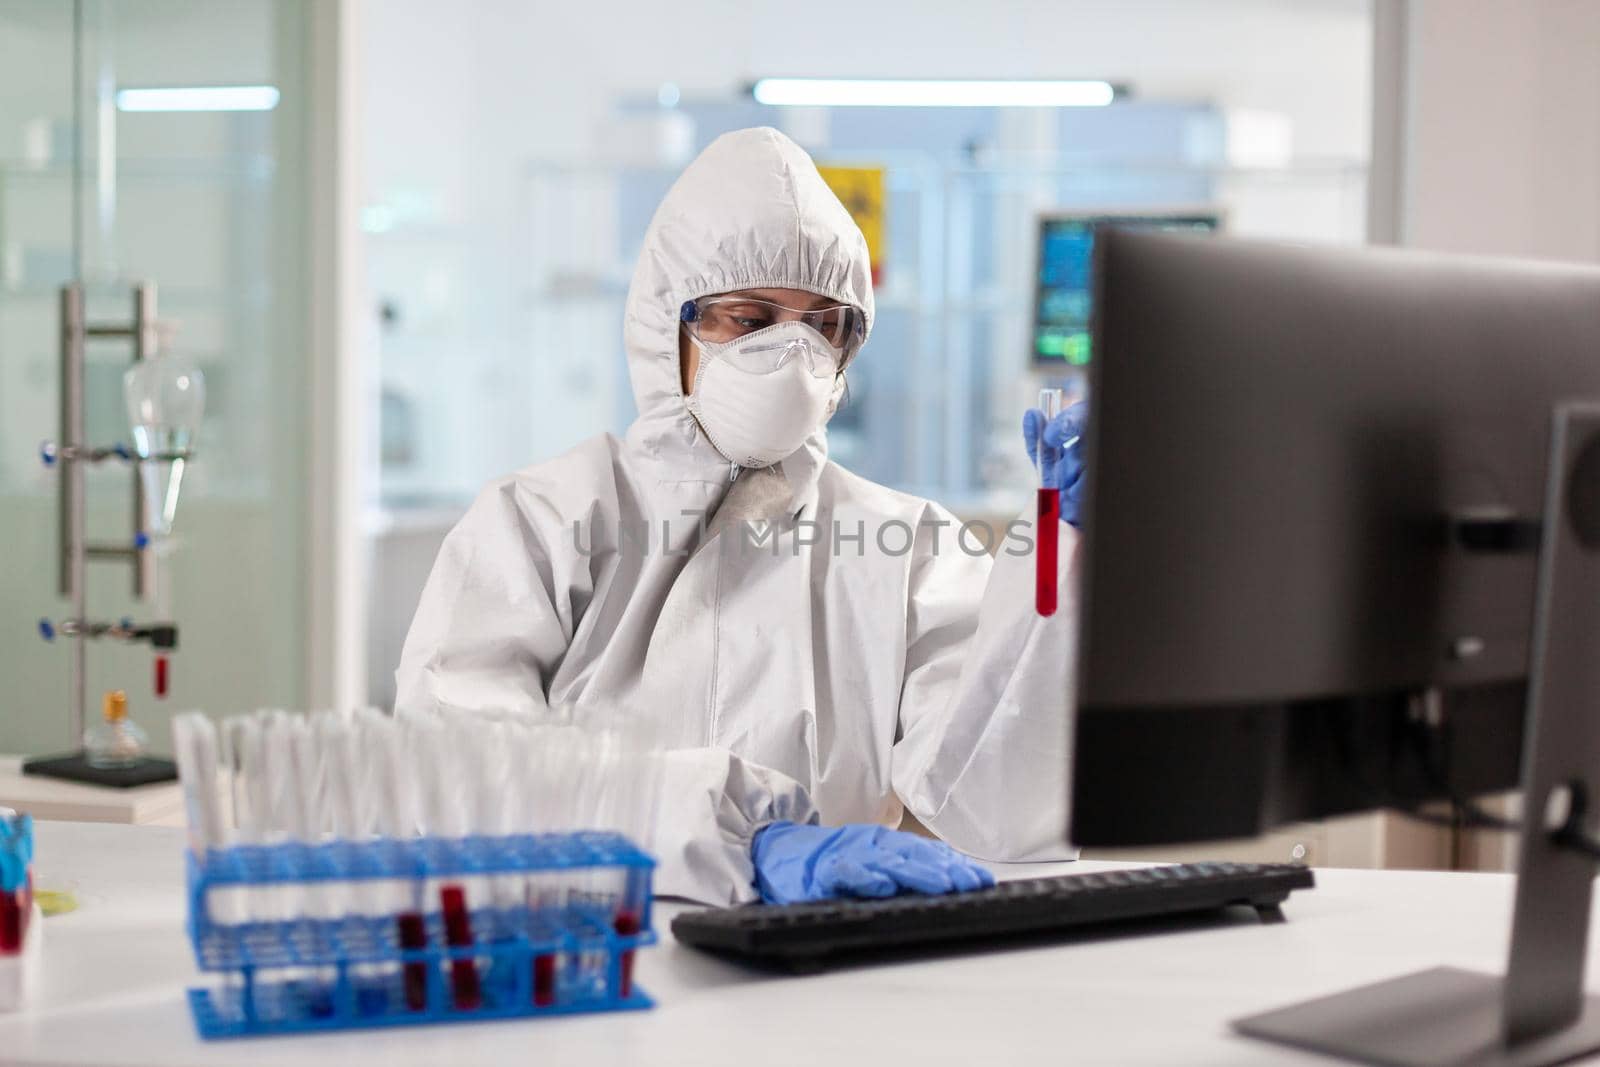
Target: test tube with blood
[16,880]
[1049,514]
[635,789]
[413,934]
[397,820]
[432,755]
[489,746]
[464,984]
[15,906]
[543,765]
[626,924]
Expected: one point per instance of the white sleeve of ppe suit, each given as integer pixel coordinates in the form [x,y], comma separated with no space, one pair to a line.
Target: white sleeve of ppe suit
[982,757]
[497,611]
[712,805]
[496,616]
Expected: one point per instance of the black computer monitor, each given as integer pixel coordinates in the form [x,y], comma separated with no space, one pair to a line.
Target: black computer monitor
[1279,438]
[1062,290]
[1317,514]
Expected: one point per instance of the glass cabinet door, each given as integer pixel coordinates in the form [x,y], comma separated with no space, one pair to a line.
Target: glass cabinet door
[201,190]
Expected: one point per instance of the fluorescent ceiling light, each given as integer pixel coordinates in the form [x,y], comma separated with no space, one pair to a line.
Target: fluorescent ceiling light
[874,92]
[200,98]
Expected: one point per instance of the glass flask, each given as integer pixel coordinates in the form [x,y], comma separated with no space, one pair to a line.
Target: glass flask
[117,741]
[166,396]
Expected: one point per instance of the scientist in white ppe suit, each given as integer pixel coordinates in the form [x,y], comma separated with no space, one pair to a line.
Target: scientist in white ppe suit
[819,652]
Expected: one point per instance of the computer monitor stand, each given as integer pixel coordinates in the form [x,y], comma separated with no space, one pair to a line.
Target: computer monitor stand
[1537,1013]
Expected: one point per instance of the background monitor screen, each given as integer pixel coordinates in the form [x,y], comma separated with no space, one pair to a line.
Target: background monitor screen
[1066,255]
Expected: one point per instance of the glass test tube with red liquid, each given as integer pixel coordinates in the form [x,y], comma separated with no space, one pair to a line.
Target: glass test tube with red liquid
[414,935]
[15,908]
[1049,515]
[464,984]
[544,979]
[628,921]
[16,900]
[626,924]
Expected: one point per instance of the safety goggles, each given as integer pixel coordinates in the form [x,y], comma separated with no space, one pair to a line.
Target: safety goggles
[720,320]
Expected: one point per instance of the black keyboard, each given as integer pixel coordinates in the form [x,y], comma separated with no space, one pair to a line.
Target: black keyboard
[808,936]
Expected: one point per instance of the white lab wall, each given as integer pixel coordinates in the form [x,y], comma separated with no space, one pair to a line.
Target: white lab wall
[1502,144]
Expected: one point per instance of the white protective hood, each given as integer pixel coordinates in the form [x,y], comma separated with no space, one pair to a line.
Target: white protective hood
[751,212]
[813,679]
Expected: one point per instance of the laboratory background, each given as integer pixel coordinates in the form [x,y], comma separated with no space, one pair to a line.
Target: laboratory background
[396,237]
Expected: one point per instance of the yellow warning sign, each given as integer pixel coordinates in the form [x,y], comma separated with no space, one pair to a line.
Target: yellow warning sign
[863,191]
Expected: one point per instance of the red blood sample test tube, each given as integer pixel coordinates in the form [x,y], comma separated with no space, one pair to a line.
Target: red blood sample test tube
[464,983]
[626,923]
[1049,530]
[161,676]
[16,910]
[544,980]
[413,935]
[1049,513]
[12,916]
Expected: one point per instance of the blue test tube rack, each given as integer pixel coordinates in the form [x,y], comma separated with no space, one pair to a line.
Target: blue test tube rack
[537,955]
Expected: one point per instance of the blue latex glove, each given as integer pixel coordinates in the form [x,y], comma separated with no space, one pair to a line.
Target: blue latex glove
[795,863]
[1059,468]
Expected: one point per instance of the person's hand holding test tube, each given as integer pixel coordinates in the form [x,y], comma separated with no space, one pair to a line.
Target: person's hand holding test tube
[1054,441]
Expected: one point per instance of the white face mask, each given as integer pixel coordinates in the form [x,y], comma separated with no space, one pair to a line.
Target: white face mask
[758,398]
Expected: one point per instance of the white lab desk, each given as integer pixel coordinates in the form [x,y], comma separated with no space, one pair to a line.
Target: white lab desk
[115,971]
[158,804]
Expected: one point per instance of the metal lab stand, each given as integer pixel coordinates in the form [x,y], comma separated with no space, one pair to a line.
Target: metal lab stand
[72,453]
